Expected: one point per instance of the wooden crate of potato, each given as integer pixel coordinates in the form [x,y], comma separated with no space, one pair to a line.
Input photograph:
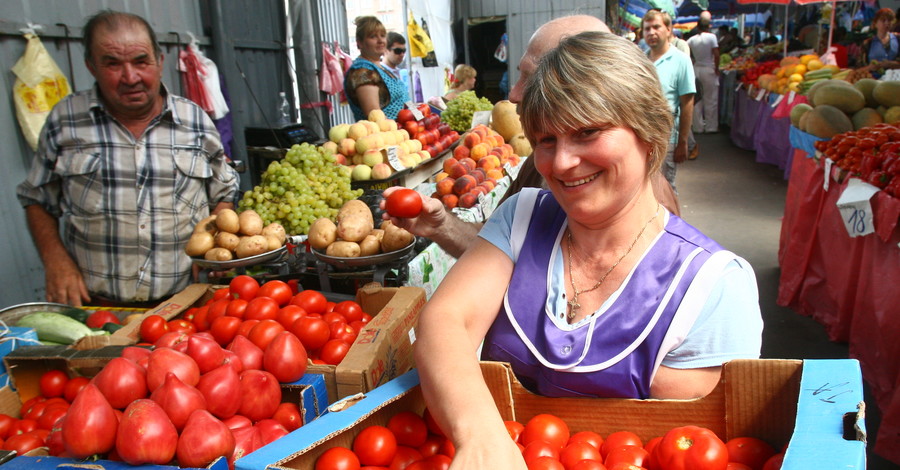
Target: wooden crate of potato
[354,235]
[228,235]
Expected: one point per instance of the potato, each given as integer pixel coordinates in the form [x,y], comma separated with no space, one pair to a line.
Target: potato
[343,249]
[395,238]
[369,245]
[379,234]
[227,220]
[355,207]
[354,228]
[227,240]
[199,244]
[273,243]
[251,246]
[275,230]
[133,317]
[207,225]
[322,233]
[219,254]
[251,223]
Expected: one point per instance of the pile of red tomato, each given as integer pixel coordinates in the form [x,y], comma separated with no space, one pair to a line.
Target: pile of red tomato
[435,136]
[260,312]
[871,154]
[411,442]
[751,75]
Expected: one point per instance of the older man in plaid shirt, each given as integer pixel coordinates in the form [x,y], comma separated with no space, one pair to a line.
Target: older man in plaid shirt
[129,169]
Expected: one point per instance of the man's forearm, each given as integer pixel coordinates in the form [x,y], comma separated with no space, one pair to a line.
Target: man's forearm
[44,230]
[687,115]
[456,235]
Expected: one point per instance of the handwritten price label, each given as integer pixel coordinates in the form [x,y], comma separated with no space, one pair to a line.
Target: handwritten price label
[827,180]
[393,159]
[760,95]
[481,117]
[856,209]
[415,110]
[791,96]
[777,100]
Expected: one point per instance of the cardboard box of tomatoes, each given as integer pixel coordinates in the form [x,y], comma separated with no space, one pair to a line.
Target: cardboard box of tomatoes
[815,407]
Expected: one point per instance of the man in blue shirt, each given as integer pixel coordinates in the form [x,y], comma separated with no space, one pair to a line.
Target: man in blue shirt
[676,75]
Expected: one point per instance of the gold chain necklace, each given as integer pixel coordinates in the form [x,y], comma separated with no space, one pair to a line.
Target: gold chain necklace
[573,304]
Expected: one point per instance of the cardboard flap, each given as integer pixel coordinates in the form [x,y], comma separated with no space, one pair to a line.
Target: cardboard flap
[756,413]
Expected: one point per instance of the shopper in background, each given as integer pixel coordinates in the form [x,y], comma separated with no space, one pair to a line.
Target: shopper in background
[704,15]
[368,84]
[455,235]
[463,80]
[705,51]
[590,289]
[884,45]
[129,169]
[677,79]
[394,57]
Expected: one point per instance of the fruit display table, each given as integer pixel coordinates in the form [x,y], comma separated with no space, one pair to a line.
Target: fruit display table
[849,285]
[754,128]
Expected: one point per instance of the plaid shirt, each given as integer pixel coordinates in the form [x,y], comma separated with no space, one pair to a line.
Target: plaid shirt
[129,206]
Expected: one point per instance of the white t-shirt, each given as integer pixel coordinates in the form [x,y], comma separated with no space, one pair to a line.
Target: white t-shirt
[701,47]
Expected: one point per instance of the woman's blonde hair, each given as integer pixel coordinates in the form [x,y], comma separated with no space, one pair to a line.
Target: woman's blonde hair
[598,78]
[463,72]
[366,26]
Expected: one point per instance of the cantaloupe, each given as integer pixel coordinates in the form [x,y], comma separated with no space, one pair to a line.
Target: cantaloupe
[866,86]
[892,115]
[801,124]
[521,146]
[865,117]
[887,93]
[846,98]
[811,93]
[505,120]
[797,112]
[827,121]
[881,110]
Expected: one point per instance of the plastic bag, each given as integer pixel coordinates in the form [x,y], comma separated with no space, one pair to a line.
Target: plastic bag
[331,75]
[419,42]
[40,84]
[502,49]
[201,79]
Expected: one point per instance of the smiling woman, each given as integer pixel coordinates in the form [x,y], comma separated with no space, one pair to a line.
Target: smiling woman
[590,289]
[368,84]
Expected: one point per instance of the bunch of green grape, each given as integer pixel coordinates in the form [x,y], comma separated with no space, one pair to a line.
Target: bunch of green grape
[303,186]
[460,110]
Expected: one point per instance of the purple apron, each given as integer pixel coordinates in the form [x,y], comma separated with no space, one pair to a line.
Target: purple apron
[615,354]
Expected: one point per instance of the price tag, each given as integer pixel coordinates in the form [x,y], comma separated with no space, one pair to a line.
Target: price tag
[791,96]
[750,89]
[393,159]
[415,110]
[856,208]
[481,117]
[738,87]
[777,100]
[759,96]
[828,163]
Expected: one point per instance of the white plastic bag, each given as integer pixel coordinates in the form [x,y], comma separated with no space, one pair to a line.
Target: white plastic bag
[40,84]
[196,66]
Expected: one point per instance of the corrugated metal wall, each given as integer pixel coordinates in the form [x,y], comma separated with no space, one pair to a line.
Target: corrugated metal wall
[250,35]
[523,19]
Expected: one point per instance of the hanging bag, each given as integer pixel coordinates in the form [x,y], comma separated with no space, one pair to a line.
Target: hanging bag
[40,84]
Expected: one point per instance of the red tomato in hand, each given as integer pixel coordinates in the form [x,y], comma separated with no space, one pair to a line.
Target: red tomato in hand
[404,202]
[691,447]
[53,383]
[102,317]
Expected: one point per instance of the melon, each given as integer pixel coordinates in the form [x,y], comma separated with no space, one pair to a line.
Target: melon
[505,120]
[846,98]
[521,146]
[811,93]
[892,115]
[827,121]
[887,93]
[867,86]
[865,117]
[797,112]
[801,123]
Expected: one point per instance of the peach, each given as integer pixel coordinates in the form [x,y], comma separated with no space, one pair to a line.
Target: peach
[507,149]
[472,139]
[479,151]
[440,176]
[449,200]
[445,186]
[468,163]
[468,200]
[464,184]
[461,151]
[448,164]
[458,170]
[495,174]
[479,175]
[487,184]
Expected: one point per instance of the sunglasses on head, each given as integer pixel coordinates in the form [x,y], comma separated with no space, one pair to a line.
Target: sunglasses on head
[399,50]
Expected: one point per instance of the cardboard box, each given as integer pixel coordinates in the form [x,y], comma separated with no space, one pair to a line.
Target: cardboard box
[28,364]
[130,333]
[13,338]
[44,462]
[813,405]
[383,349]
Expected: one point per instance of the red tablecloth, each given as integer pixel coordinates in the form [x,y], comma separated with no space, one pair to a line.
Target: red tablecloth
[849,285]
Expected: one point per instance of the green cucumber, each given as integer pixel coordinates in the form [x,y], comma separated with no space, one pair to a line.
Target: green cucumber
[76,313]
[56,327]
[111,327]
